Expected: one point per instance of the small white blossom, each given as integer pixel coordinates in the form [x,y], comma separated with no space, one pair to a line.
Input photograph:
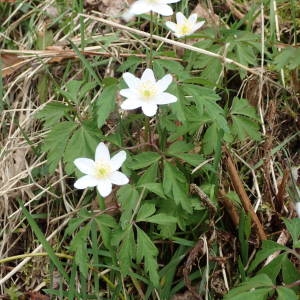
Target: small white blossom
[298,208]
[159,6]
[146,92]
[103,172]
[184,26]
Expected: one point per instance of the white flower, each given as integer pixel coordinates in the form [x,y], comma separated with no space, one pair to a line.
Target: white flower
[146,92]
[102,172]
[184,26]
[159,6]
[298,209]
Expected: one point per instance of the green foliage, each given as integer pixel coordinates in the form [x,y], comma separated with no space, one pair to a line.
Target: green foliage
[288,58]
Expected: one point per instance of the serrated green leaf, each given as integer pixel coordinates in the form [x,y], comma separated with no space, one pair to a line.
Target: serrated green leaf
[210,139]
[242,107]
[79,246]
[72,90]
[130,64]
[179,147]
[273,268]
[127,252]
[56,141]
[106,104]
[150,175]
[52,113]
[128,198]
[244,127]
[286,294]
[146,250]
[143,160]
[255,294]
[83,143]
[290,273]
[145,211]
[155,188]
[289,58]
[175,185]
[105,224]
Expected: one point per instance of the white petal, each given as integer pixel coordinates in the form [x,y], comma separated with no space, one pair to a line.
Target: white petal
[148,75]
[85,181]
[162,9]
[131,104]
[180,18]
[139,7]
[102,153]
[128,93]
[149,109]
[117,160]
[298,209]
[198,25]
[85,165]
[127,16]
[118,178]
[104,187]
[164,83]
[169,1]
[165,98]
[171,25]
[131,80]
[192,18]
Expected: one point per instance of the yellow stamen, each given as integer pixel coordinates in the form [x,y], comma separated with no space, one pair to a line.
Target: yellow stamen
[103,169]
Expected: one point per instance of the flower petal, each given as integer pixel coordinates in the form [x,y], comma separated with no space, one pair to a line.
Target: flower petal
[180,18]
[131,104]
[169,1]
[198,25]
[298,209]
[128,93]
[165,98]
[85,181]
[85,165]
[118,178]
[149,109]
[104,187]
[131,80]
[148,75]
[117,160]
[163,83]
[139,7]
[171,25]
[102,153]
[162,9]
[192,19]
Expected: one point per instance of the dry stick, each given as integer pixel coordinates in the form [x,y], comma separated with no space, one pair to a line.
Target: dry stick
[239,188]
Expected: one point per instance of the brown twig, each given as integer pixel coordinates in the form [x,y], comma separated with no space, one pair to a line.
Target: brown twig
[239,188]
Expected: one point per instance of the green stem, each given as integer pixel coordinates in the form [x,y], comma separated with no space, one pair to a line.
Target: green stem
[149,64]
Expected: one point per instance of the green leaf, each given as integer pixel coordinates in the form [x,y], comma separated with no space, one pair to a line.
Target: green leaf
[106,104]
[127,251]
[210,139]
[146,250]
[289,271]
[175,186]
[268,247]
[143,160]
[130,64]
[161,219]
[150,175]
[179,147]
[56,141]
[244,127]
[105,224]
[288,58]
[146,210]
[79,246]
[293,226]
[83,143]
[52,113]
[128,198]
[258,286]
[242,107]
[286,294]
[155,188]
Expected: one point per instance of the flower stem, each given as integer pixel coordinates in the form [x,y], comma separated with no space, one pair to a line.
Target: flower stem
[149,64]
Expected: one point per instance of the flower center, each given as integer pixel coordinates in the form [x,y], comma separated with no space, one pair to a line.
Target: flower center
[103,169]
[147,91]
[184,29]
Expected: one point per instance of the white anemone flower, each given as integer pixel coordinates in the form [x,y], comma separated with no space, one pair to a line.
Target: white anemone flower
[184,26]
[102,172]
[146,92]
[159,6]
